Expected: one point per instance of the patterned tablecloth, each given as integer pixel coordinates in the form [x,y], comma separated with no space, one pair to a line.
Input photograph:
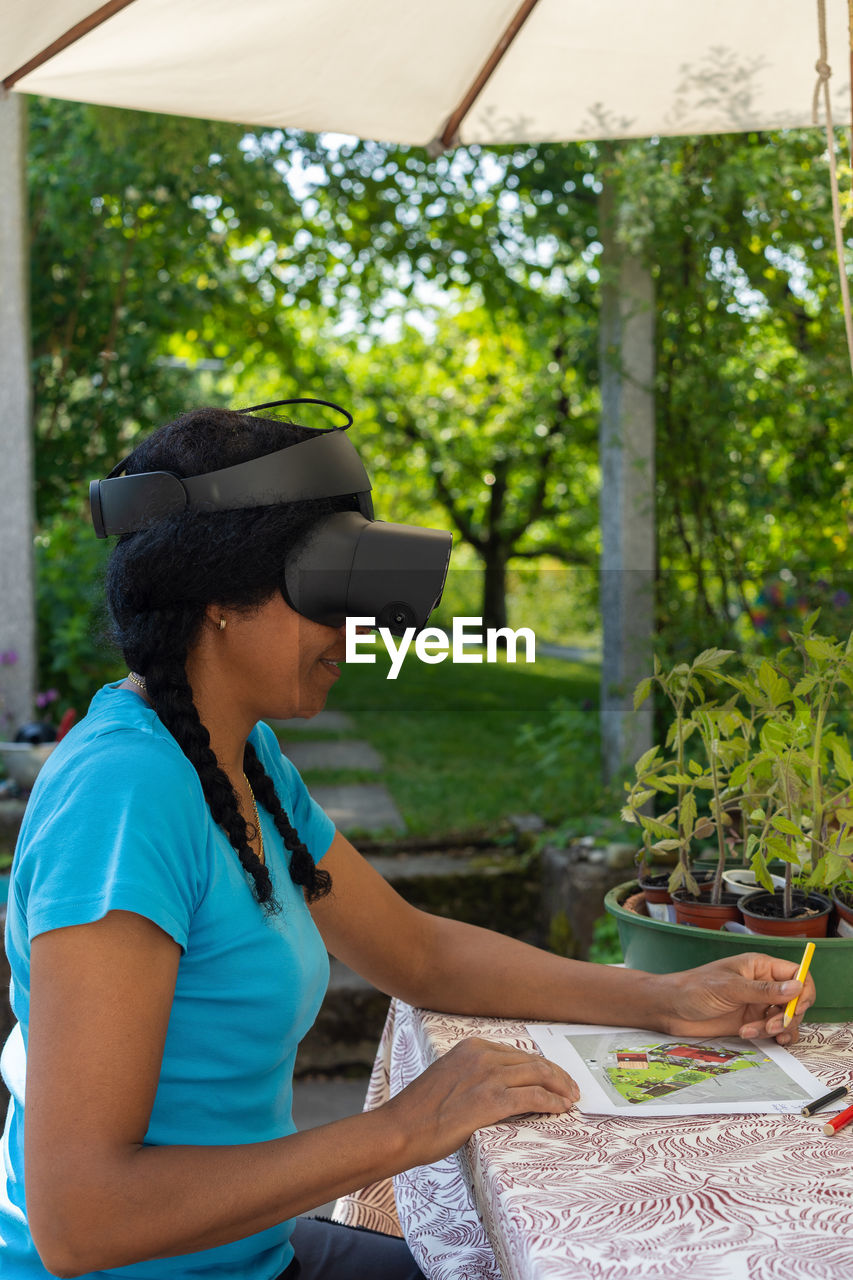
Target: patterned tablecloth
[604,1198]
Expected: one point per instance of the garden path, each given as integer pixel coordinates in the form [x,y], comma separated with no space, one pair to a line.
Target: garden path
[354,807]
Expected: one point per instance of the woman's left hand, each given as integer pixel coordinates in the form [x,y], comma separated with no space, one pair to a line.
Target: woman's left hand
[742,995]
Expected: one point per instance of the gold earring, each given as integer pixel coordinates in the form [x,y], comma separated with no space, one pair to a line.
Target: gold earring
[221,624]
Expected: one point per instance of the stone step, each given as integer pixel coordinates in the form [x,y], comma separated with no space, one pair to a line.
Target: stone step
[359,807]
[325,721]
[492,887]
[347,753]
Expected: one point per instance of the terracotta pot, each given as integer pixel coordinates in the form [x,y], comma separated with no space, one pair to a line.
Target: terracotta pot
[843,917]
[659,902]
[658,898]
[636,903]
[701,912]
[812,926]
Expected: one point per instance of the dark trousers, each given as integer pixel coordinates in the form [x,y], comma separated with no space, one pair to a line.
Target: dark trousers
[330,1251]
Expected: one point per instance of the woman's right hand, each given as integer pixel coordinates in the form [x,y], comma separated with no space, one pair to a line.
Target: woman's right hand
[477,1083]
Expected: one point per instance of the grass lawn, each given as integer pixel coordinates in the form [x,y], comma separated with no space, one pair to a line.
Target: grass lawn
[449,733]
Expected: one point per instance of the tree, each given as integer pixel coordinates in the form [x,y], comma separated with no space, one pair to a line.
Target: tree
[146,234]
[753,383]
[287,258]
[500,427]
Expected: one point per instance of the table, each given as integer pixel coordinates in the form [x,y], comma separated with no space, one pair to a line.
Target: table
[606,1198]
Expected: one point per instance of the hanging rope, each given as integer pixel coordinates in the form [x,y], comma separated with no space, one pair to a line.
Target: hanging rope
[824,71]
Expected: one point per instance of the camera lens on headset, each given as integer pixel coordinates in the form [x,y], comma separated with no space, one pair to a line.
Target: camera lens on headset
[396,616]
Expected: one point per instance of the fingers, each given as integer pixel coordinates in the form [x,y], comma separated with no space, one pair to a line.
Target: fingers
[751,989]
[772,982]
[475,1084]
[773,1026]
[769,1020]
[511,1068]
[560,1088]
[500,1081]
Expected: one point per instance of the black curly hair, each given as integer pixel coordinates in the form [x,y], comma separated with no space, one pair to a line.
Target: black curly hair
[160,581]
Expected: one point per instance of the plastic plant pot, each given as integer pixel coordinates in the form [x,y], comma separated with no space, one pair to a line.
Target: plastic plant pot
[757,920]
[741,881]
[703,913]
[843,917]
[658,897]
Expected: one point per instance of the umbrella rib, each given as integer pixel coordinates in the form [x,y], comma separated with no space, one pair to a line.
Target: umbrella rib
[447,137]
[81,28]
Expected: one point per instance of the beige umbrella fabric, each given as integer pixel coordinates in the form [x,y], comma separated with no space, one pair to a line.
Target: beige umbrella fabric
[399,71]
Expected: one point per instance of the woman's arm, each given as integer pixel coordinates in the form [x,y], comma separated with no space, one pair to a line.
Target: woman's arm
[97,1197]
[457,968]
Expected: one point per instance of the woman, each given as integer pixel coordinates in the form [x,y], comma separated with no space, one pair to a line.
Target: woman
[173,894]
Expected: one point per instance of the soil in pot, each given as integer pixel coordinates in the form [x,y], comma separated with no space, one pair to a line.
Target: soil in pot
[763,913]
[702,912]
[842,900]
[659,901]
[741,881]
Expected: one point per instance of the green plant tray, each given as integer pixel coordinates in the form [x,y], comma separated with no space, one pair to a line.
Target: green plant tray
[658,947]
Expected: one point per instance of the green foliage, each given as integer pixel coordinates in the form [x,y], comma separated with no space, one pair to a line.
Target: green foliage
[495,425]
[454,301]
[449,734]
[74,656]
[752,386]
[605,947]
[557,602]
[720,731]
[137,224]
[561,936]
[775,770]
[561,755]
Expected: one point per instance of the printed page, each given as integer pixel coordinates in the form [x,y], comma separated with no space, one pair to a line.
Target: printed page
[625,1071]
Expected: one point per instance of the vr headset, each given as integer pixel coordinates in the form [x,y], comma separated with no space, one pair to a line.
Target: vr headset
[348,564]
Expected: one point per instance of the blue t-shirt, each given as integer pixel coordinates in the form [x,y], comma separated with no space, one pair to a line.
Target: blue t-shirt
[118,821]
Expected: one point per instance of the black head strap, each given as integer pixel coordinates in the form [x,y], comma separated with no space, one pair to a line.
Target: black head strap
[326,466]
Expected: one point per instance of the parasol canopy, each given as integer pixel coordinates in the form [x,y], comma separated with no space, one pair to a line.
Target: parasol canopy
[485,71]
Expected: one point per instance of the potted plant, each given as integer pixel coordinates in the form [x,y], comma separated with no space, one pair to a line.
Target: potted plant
[795,787]
[704,741]
[754,757]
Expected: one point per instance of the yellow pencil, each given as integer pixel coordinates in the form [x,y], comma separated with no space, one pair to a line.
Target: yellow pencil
[791,1006]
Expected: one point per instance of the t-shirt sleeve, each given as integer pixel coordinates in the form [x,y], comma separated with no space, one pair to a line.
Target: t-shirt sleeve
[121,827]
[314,826]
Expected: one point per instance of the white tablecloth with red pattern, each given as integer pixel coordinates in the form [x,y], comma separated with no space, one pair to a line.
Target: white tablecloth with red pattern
[603,1198]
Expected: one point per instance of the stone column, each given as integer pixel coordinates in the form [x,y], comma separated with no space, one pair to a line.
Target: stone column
[17,596]
[627,450]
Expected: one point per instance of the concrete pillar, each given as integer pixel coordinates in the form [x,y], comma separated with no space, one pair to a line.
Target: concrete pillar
[17,595]
[627,450]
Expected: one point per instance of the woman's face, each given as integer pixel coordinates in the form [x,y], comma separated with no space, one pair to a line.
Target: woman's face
[274,662]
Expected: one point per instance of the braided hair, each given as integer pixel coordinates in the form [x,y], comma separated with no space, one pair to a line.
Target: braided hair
[160,581]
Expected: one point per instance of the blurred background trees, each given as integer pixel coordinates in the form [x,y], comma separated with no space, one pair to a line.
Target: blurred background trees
[453,304]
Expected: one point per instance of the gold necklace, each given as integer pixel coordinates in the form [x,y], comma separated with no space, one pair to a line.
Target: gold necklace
[139,681]
[257,817]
